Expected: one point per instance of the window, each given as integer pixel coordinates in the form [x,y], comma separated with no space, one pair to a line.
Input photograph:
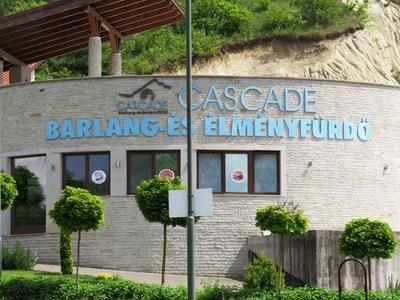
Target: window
[90,171]
[28,214]
[239,172]
[143,165]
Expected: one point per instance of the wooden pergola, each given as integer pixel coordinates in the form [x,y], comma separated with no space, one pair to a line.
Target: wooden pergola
[65,26]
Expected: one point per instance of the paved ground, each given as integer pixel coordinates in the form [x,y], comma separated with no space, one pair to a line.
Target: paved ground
[171,280]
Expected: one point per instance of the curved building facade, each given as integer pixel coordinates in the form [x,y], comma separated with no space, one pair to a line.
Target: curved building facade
[329,147]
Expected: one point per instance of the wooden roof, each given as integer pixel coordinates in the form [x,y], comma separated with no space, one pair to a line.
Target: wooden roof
[64,26]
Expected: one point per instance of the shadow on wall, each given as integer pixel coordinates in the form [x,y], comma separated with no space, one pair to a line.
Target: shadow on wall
[236,268]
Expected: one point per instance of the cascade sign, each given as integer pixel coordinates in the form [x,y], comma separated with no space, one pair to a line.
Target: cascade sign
[252,99]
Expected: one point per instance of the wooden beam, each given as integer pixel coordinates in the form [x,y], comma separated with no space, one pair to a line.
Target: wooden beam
[104,22]
[95,24]
[10,58]
[115,42]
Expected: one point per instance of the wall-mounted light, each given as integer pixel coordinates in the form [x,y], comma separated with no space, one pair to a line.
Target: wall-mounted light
[117,163]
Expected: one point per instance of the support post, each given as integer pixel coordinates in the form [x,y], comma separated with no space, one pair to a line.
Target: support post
[1,72]
[94,56]
[20,74]
[94,47]
[191,273]
[115,60]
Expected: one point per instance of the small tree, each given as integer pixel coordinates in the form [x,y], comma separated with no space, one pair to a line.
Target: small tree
[66,260]
[261,273]
[9,192]
[363,238]
[152,198]
[283,221]
[78,210]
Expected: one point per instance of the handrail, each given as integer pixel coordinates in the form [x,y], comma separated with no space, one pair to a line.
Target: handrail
[365,277]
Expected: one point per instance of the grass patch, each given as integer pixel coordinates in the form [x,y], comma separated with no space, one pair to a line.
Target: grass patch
[14,274]
[31,285]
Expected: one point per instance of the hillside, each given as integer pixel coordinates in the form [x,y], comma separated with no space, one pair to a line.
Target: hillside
[369,55]
[289,38]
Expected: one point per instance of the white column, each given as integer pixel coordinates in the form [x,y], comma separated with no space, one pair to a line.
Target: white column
[94,56]
[1,72]
[20,74]
[5,166]
[115,64]
[53,187]
[118,173]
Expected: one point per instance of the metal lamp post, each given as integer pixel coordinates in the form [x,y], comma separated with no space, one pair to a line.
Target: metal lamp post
[191,274]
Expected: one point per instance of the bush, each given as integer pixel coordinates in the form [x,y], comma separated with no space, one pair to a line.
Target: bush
[19,258]
[8,190]
[220,16]
[396,76]
[364,238]
[278,18]
[261,273]
[320,12]
[281,220]
[66,259]
[64,288]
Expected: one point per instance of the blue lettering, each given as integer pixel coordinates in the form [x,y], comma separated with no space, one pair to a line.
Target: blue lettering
[149,127]
[67,130]
[131,126]
[82,128]
[243,98]
[299,98]
[215,99]
[113,127]
[182,101]
[275,127]
[231,97]
[308,100]
[242,127]
[291,126]
[52,132]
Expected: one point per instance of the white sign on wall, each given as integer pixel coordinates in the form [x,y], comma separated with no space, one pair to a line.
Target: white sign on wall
[202,203]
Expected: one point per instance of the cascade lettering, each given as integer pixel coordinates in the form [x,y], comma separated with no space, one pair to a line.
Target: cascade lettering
[251,99]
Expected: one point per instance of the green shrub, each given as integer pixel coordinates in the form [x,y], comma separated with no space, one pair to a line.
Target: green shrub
[278,17]
[66,259]
[18,259]
[320,12]
[261,273]
[364,238]
[8,190]
[64,288]
[396,76]
[281,220]
[220,16]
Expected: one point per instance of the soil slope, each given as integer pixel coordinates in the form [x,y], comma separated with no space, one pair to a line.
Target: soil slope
[369,55]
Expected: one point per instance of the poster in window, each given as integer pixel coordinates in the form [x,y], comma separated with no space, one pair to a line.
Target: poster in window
[99,177]
[167,173]
[238,176]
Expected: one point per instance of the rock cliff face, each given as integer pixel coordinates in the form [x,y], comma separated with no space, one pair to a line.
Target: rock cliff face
[369,55]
